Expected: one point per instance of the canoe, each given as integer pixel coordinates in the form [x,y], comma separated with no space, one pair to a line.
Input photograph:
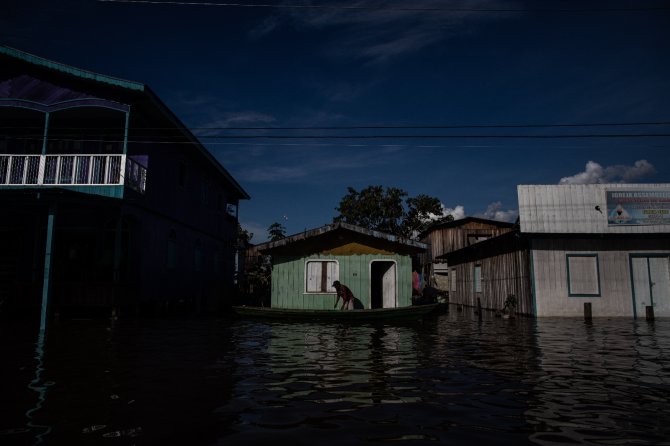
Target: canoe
[378,314]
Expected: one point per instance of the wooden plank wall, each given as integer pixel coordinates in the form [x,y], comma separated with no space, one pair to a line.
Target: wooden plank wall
[502,275]
[448,239]
[288,280]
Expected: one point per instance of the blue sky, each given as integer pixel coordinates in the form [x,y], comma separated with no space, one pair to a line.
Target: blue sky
[396,63]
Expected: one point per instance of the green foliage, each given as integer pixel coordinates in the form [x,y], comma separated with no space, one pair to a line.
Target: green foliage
[243,236]
[255,287]
[389,210]
[276,231]
[259,274]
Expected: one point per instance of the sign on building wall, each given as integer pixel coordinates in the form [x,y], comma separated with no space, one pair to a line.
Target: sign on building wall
[638,207]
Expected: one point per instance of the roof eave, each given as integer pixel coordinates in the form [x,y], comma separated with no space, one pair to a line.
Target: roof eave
[303,236]
[68,69]
[241,194]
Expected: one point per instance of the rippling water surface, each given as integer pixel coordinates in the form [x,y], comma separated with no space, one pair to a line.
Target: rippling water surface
[450,379]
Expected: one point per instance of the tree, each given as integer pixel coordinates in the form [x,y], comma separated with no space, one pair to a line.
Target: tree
[276,231]
[389,210]
[243,236]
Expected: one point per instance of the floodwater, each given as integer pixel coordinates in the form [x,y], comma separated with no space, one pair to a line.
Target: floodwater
[450,379]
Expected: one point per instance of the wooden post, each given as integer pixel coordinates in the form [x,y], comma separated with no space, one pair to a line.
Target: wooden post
[587,311]
[650,313]
[116,276]
[46,282]
[479,308]
[117,250]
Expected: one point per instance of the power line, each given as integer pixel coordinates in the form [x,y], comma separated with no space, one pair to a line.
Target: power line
[426,127]
[371,127]
[386,8]
[353,137]
[362,137]
[621,135]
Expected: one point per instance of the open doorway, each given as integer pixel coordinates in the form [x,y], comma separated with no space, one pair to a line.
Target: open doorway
[383,284]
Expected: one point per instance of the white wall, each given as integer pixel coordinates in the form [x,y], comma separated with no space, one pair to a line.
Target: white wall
[550,275]
[571,209]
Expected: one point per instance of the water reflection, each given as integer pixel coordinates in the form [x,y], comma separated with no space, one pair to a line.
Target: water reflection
[150,382]
[369,383]
[453,379]
[601,383]
[40,387]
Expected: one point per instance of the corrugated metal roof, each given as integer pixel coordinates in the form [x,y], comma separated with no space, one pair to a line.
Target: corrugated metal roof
[462,221]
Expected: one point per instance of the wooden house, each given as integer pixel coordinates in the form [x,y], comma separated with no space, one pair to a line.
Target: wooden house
[376,267]
[108,199]
[603,245]
[451,236]
[486,273]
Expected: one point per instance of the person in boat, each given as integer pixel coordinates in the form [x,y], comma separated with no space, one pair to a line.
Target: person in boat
[345,293]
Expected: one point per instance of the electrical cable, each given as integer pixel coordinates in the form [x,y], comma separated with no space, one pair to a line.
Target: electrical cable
[375,127]
[385,8]
[353,137]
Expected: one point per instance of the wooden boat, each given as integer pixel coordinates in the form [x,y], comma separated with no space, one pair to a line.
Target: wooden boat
[377,314]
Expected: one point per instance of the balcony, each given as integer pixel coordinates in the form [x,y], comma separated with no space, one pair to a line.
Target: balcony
[72,170]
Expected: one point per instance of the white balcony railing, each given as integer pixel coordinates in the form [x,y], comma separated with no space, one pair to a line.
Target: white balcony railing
[71,170]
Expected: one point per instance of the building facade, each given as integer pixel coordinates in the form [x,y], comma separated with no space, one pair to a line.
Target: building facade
[376,267]
[108,200]
[452,236]
[604,245]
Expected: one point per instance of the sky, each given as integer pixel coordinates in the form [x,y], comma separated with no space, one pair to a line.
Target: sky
[459,100]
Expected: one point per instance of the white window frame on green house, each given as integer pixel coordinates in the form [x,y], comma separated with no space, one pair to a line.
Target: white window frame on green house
[316,282]
[583,275]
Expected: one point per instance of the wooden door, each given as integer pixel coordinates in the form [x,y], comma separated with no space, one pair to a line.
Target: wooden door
[651,284]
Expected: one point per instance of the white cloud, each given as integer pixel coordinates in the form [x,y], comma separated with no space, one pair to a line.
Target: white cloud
[641,169]
[231,119]
[457,212]
[339,91]
[594,173]
[268,25]
[495,211]
[201,110]
[373,34]
[307,163]
[273,174]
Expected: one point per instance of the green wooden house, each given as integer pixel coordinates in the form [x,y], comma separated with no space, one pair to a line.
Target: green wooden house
[377,267]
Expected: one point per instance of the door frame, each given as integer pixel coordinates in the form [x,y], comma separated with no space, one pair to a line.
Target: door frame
[632,277]
[395,281]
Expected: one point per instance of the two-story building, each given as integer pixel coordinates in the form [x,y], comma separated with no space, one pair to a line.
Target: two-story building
[108,200]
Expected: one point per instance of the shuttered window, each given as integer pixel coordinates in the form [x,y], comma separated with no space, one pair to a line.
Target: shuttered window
[452,279]
[319,276]
[583,275]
